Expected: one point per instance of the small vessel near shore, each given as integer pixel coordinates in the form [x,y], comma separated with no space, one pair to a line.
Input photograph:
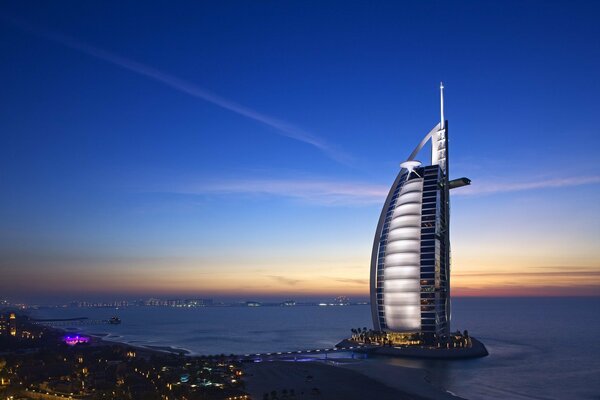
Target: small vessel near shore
[114,321]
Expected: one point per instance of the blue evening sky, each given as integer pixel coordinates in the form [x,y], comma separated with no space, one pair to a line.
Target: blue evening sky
[190,144]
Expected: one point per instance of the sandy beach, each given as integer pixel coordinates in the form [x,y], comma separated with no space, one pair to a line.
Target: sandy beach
[351,380]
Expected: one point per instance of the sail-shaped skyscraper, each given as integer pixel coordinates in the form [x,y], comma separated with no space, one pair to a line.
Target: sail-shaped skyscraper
[410,261]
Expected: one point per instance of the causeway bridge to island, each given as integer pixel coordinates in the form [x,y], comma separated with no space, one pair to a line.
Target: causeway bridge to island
[475,349]
[65,322]
[293,355]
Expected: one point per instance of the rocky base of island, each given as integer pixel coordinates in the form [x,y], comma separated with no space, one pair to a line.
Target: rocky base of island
[476,349]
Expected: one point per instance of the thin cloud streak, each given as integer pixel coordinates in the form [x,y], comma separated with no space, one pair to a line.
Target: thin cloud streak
[492,188]
[283,128]
[357,193]
[526,291]
[285,280]
[311,191]
[564,274]
[351,281]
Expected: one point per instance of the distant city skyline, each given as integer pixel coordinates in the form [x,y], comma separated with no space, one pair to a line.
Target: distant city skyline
[175,301]
[243,150]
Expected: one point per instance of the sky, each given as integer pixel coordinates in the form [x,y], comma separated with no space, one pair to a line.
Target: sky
[244,149]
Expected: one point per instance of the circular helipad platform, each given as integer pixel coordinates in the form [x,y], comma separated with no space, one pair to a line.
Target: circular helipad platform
[410,164]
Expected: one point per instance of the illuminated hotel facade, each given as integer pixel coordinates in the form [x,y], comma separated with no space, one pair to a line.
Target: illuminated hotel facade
[410,261]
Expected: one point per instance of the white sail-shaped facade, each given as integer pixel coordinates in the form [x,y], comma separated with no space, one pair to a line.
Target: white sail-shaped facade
[402,258]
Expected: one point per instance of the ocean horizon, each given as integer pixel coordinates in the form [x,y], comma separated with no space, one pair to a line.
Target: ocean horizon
[540,348]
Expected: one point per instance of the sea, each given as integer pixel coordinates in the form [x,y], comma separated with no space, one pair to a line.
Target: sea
[540,348]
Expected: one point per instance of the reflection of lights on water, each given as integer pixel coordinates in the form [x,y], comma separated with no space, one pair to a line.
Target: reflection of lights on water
[72,340]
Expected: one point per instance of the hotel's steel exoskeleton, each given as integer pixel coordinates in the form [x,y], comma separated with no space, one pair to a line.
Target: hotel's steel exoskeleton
[410,261]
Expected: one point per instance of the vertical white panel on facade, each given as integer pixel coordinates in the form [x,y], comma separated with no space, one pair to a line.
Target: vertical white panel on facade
[438,149]
[434,149]
[438,141]
[401,277]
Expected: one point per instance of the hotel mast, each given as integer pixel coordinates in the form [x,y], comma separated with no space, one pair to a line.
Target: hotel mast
[410,261]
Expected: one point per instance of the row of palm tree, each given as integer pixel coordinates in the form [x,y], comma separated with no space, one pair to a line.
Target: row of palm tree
[365,335]
[370,336]
[358,332]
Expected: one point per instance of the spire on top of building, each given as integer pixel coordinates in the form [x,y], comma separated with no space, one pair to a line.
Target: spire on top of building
[442,105]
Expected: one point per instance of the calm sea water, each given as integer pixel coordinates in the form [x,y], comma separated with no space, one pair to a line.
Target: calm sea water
[540,348]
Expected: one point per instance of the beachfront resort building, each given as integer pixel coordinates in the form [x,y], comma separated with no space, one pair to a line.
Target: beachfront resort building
[410,261]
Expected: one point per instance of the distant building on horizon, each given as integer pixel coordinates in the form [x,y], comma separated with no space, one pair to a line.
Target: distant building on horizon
[199,302]
[410,260]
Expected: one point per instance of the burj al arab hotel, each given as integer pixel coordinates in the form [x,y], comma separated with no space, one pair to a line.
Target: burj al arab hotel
[410,261]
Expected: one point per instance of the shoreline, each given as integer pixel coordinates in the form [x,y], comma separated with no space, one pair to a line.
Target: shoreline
[342,378]
[100,339]
[105,337]
[143,348]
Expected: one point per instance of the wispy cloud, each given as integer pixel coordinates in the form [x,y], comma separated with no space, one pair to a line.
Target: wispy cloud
[351,281]
[592,274]
[312,191]
[330,192]
[281,127]
[516,290]
[487,188]
[285,280]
